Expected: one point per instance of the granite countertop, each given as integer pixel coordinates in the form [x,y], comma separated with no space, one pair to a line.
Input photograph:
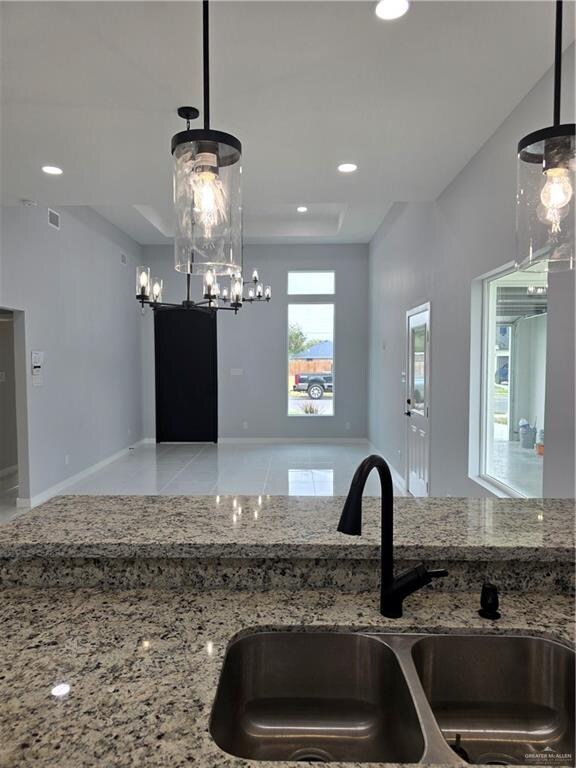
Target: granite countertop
[143,665]
[289,526]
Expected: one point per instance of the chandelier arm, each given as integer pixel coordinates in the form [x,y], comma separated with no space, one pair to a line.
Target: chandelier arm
[558,62]
[206,63]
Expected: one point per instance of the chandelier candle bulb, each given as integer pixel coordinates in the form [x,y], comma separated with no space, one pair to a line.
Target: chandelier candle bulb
[236,290]
[157,285]
[208,287]
[255,277]
[268,293]
[260,290]
[143,282]
[251,293]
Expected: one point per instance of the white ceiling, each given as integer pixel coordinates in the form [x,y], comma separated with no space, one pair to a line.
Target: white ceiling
[93,87]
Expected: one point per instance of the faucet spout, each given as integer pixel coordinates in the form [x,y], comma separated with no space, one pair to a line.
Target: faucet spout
[392,590]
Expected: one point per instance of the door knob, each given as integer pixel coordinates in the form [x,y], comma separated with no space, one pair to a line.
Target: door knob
[407,413]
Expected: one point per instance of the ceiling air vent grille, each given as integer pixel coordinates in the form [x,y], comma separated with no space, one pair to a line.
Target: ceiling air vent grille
[53,218]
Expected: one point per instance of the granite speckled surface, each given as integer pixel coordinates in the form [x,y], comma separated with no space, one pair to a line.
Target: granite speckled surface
[275,573]
[288,527]
[143,665]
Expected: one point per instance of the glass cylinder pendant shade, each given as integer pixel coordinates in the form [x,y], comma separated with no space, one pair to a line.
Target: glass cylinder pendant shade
[545,200]
[208,202]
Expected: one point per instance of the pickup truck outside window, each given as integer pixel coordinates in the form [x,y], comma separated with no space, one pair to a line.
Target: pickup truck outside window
[310,359]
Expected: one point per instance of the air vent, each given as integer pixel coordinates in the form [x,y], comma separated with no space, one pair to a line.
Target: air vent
[53,218]
[123,258]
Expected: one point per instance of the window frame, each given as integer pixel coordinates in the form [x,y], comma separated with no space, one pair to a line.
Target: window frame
[482,334]
[328,299]
[309,270]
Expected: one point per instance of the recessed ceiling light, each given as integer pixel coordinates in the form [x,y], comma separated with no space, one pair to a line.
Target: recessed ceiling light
[391,9]
[302,209]
[52,170]
[347,167]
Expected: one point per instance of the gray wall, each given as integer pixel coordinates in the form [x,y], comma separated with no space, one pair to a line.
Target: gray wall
[256,342]
[8,441]
[559,458]
[78,306]
[432,251]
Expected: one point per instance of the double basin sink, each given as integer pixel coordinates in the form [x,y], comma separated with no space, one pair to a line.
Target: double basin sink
[396,698]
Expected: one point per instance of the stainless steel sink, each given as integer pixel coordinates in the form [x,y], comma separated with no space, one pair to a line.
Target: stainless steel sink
[315,698]
[324,697]
[510,700]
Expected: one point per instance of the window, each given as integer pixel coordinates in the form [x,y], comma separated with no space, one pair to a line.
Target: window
[418,363]
[310,283]
[310,345]
[514,381]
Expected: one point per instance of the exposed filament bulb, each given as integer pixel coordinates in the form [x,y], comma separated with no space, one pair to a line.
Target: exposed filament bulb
[555,196]
[210,202]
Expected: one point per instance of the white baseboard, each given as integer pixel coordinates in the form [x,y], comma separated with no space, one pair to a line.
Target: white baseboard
[269,440]
[8,470]
[398,480]
[292,440]
[55,490]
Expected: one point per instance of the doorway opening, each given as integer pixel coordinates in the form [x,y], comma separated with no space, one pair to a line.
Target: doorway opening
[417,410]
[186,364]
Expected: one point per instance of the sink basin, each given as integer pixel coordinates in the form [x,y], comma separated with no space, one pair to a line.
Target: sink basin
[511,699]
[396,698]
[315,697]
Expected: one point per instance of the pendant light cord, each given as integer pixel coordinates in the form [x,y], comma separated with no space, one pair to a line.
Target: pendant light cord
[558,63]
[206,64]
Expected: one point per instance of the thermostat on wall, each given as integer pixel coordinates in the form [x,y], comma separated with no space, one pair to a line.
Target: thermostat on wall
[37,369]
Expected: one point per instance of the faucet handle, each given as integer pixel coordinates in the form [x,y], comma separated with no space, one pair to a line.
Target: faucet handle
[408,582]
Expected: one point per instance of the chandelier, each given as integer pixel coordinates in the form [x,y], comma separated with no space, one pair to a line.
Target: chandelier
[545,195]
[208,212]
[149,291]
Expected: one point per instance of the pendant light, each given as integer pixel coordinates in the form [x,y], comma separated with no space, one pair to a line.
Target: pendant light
[207,189]
[208,205]
[546,187]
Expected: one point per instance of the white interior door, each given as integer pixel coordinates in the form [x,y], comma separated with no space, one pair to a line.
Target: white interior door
[418,401]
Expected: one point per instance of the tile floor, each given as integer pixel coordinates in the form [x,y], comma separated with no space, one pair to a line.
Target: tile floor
[520,468]
[267,468]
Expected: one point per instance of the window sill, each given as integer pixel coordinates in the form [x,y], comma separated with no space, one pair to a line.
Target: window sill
[499,490]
